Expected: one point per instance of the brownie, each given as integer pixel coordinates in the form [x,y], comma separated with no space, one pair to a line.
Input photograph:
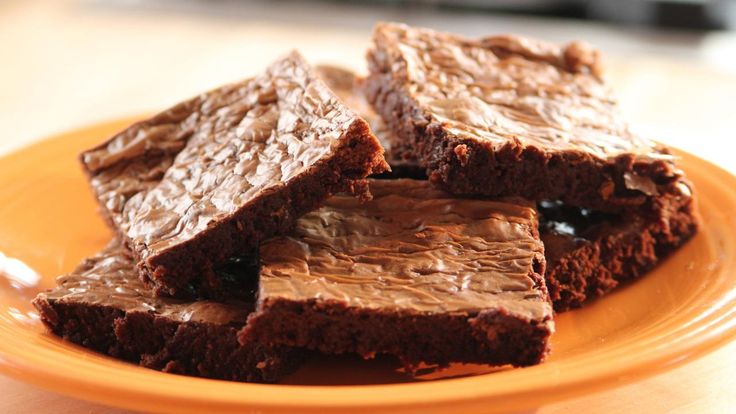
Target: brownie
[351,89]
[507,115]
[213,176]
[413,273]
[102,305]
[589,253]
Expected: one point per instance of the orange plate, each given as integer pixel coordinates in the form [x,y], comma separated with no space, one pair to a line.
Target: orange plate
[684,308]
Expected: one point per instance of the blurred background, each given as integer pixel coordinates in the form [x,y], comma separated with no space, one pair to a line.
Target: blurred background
[67,63]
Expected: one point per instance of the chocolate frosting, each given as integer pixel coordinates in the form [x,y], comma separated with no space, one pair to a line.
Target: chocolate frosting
[110,279]
[411,248]
[510,89]
[210,156]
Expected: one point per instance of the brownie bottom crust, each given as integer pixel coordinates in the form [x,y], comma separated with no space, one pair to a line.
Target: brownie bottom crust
[491,337]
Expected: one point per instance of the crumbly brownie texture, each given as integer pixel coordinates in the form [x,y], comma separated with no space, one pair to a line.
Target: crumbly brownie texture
[215,175]
[507,115]
[103,306]
[588,253]
[351,89]
[382,276]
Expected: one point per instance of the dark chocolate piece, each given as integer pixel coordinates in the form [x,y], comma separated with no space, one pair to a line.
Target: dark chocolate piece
[511,116]
[213,176]
[413,273]
[102,305]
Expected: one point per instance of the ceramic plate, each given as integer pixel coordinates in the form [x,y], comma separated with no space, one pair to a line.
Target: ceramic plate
[683,309]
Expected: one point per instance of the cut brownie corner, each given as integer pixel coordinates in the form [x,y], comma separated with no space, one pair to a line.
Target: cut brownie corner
[351,89]
[359,157]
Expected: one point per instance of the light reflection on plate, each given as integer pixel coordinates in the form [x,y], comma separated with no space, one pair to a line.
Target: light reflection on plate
[18,274]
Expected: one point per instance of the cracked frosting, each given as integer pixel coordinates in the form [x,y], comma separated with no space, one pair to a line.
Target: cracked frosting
[503,89]
[168,179]
[411,248]
[110,279]
[135,160]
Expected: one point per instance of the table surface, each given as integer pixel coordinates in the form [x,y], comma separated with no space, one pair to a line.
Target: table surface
[70,63]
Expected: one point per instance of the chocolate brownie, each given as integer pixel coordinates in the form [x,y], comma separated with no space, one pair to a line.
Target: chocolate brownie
[351,89]
[213,176]
[507,115]
[413,273]
[590,253]
[102,305]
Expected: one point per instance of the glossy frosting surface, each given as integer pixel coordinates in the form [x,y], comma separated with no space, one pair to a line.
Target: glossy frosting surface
[411,248]
[110,279]
[504,89]
[167,179]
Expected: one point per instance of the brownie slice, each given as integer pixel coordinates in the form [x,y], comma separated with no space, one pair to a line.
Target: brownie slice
[351,89]
[213,176]
[102,305]
[413,273]
[590,253]
[507,115]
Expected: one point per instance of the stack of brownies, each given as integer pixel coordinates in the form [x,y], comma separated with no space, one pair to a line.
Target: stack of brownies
[260,221]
